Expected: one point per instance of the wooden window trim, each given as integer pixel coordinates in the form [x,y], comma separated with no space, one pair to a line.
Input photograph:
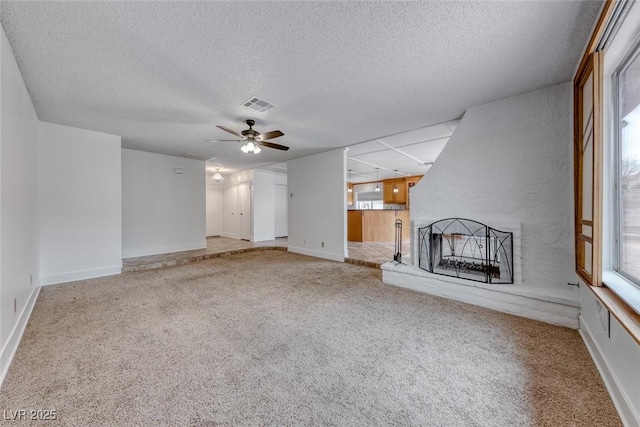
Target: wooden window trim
[598,32]
[591,60]
[626,316]
[593,68]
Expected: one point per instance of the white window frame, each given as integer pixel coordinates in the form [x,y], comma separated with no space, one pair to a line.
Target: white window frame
[626,39]
[616,238]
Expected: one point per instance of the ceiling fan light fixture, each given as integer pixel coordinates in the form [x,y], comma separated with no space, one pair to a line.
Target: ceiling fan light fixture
[250,148]
[252,138]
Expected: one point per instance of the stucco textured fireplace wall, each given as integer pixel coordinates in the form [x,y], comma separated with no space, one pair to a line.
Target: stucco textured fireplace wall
[510,162]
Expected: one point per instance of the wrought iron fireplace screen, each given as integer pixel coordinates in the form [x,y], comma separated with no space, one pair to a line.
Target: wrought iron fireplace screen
[466,249]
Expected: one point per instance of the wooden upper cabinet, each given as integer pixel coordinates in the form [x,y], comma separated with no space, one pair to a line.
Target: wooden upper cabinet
[401,195]
[349,194]
[387,192]
[389,196]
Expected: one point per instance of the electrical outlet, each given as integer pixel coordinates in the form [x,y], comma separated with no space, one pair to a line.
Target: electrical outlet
[291,195]
[322,244]
[31,279]
[15,305]
[304,242]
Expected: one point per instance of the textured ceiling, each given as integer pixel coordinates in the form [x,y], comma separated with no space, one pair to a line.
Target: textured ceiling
[163,74]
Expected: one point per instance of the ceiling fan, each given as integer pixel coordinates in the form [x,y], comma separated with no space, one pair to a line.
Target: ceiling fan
[253,138]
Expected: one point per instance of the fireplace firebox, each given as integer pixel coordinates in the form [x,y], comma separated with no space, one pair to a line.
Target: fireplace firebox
[466,249]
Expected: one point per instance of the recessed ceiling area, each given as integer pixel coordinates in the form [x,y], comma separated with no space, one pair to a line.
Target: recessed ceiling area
[403,154]
[163,74]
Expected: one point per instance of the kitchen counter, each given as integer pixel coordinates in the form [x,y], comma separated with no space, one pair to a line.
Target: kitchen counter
[376,225]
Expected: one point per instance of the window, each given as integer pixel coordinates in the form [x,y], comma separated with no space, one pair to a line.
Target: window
[627,206]
[606,152]
[588,169]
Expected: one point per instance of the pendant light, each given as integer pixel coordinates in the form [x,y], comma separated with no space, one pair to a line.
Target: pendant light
[217,176]
[395,185]
[349,188]
[377,179]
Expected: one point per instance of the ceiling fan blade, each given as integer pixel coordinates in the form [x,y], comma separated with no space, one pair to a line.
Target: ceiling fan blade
[272,145]
[229,130]
[271,135]
[222,140]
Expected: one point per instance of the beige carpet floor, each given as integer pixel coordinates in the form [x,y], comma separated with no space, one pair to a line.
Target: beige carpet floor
[274,338]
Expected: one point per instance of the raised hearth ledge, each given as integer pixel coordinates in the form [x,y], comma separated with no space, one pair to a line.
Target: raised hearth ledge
[550,305]
[499,224]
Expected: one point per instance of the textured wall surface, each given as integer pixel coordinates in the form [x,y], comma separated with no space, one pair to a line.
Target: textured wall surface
[511,161]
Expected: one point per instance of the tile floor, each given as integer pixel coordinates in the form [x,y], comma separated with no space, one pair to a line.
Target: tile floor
[371,254]
[376,252]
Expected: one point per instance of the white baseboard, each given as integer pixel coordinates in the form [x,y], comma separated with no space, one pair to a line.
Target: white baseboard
[554,308]
[134,253]
[10,347]
[54,279]
[318,254]
[628,415]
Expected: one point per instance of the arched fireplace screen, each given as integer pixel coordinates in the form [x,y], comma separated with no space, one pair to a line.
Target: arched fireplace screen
[466,249]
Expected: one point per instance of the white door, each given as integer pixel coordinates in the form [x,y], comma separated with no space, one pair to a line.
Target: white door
[244,206]
[281,219]
[231,215]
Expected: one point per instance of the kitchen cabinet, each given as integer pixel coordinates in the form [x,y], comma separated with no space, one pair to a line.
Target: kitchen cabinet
[350,195]
[376,225]
[389,196]
[354,226]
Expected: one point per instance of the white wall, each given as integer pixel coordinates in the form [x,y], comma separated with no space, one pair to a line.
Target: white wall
[263,212]
[317,205]
[18,204]
[616,355]
[80,204]
[214,207]
[511,162]
[162,211]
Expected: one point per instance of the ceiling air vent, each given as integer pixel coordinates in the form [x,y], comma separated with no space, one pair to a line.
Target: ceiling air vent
[256,104]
